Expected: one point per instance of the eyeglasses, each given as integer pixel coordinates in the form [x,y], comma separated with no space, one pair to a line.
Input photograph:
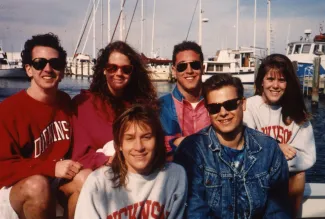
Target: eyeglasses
[112,68]
[195,65]
[229,105]
[55,63]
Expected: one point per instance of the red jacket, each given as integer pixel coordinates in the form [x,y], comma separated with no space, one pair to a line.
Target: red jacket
[33,136]
[92,129]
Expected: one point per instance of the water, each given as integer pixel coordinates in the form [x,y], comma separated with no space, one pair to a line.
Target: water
[72,86]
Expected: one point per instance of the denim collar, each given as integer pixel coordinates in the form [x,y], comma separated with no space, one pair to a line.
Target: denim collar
[252,146]
[178,95]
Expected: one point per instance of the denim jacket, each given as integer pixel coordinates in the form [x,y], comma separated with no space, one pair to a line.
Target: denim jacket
[214,183]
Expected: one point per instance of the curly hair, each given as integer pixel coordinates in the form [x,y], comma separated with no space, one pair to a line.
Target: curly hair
[48,40]
[138,90]
[140,115]
[292,95]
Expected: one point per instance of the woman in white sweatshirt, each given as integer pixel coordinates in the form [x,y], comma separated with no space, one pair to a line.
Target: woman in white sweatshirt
[139,183]
[278,110]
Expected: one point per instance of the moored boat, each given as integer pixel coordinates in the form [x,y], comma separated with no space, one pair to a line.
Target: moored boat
[239,63]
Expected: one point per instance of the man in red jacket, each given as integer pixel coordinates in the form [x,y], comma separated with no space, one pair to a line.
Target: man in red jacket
[35,130]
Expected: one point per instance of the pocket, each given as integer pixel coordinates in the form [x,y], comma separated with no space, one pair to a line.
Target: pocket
[258,188]
[213,189]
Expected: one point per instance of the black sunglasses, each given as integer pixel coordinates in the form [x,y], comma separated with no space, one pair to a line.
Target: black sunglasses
[55,63]
[229,105]
[195,65]
[112,68]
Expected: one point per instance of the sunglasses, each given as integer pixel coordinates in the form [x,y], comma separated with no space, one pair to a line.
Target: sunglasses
[55,63]
[112,68]
[195,65]
[229,105]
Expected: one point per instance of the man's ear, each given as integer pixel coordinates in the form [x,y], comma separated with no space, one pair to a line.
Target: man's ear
[244,104]
[28,69]
[174,71]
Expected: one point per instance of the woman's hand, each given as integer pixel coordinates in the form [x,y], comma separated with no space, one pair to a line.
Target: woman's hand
[288,151]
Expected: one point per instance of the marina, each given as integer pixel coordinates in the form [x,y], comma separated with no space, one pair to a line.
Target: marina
[239,61]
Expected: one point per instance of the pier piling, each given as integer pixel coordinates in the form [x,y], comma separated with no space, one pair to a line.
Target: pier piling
[315,88]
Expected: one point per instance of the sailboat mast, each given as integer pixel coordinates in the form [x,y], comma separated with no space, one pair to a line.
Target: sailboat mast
[237,21]
[121,21]
[254,43]
[108,21]
[200,23]
[153,28]
[94,29]
[268,28]
[142,20]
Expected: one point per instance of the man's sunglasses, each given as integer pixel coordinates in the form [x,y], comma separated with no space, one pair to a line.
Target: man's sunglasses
[229,105]
[112,68]
[55,63]
[195,65]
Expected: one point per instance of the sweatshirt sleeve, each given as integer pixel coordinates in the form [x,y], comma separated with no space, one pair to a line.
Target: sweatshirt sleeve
[180,195]
[90,204]
[304,143]
[83,147]
[13,165]
[248,115]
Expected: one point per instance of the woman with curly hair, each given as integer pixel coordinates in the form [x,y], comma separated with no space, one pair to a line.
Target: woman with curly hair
[139,183]
[278,110]
[120,79]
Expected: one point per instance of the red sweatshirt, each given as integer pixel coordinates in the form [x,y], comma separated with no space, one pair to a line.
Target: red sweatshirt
[92,128]
[33,136]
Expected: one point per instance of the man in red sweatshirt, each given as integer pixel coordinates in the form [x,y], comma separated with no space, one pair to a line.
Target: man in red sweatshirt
[35,130]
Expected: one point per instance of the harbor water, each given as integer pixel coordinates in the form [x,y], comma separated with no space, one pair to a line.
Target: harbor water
[72,86]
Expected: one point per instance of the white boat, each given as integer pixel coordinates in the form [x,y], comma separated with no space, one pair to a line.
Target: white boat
[81,65]
[304,52]
[160,68]
[239,63]
[10,69]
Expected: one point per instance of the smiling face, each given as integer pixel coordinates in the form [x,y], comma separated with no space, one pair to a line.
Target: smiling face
[138,147]
[188,80]
[226,122]
[117,81]
[274,85]
[47,78]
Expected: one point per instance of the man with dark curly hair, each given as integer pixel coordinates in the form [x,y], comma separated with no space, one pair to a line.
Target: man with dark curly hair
[35,130]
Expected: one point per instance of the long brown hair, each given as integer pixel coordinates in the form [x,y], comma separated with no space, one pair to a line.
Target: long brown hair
[140,115]
[138,90]
[292,101]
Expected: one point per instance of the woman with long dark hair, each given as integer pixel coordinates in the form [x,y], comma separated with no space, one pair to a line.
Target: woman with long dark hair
[139,183]
[120,79]
[278,110]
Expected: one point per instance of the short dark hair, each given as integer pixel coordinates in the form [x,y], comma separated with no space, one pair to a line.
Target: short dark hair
[187,45]
[220,80]
[140,115]
[47,40]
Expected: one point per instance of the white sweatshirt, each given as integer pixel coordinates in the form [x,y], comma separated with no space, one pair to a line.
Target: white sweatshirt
[268,119]
[161,194]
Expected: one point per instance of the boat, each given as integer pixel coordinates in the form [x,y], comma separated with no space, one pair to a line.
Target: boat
[159,67]
[80,65]
[239,63]
[10,68]
[304,51]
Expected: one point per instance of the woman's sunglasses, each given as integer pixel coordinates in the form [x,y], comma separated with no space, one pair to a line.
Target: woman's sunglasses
[112,68]
[195,65]
[229,105]
[55,63]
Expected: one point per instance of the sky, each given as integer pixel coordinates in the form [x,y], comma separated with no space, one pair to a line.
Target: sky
[20,19]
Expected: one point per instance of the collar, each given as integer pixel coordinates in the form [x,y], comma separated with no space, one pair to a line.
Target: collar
[179,96]
[251,144]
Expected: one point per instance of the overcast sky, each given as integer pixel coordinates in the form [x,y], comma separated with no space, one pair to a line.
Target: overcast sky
[20,19]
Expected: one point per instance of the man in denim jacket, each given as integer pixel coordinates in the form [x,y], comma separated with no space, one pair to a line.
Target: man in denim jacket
[233,171]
